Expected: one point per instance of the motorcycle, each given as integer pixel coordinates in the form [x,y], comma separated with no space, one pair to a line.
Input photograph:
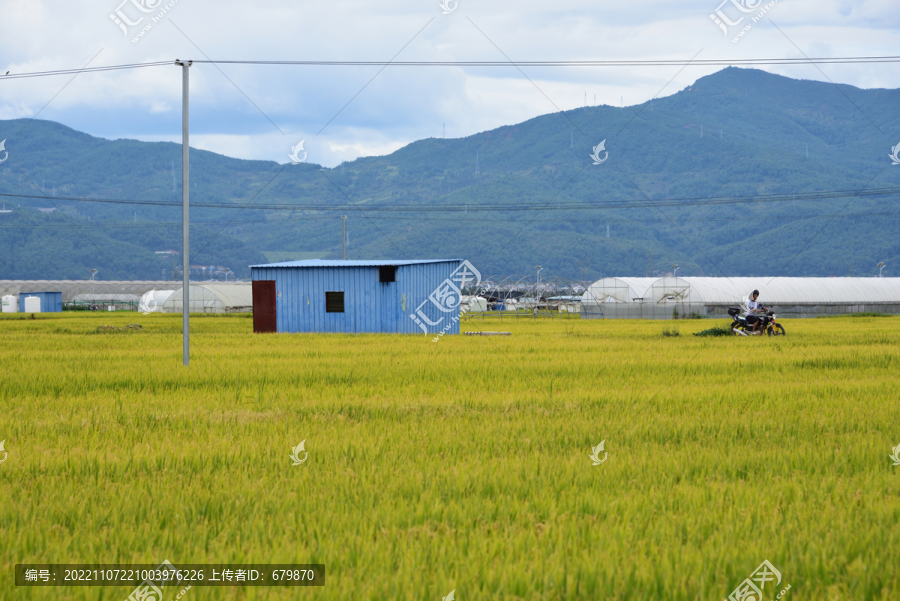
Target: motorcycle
[769,324]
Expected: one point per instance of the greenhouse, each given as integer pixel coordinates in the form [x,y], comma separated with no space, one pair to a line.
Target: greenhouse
[212,298]
[617,290]
[153,301]
[95,289]
[118,302]
[671,297]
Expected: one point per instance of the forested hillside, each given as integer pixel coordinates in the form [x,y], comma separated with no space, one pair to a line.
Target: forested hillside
[689,179]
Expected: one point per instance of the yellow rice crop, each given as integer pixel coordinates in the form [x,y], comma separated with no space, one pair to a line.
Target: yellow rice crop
[461,464]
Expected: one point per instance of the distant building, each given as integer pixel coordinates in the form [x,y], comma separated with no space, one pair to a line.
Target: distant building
[411,297]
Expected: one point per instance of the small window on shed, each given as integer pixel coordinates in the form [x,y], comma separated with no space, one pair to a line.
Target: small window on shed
[334,302]
[387,274]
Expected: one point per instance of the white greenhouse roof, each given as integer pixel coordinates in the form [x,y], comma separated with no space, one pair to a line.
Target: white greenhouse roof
[617,290]
[72,288]
[797,290]
[210,296]
[232,295]
[722,291]
[154,301]
[129,298]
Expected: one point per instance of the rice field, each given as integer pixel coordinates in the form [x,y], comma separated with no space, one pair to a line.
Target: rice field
[461,465]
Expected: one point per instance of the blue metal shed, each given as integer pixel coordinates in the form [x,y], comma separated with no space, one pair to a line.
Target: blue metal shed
[411,297]
[51,302]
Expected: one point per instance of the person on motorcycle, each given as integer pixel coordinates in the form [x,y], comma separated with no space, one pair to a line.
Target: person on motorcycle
[754,308]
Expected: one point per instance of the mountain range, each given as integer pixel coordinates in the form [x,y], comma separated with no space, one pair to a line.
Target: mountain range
[742,173]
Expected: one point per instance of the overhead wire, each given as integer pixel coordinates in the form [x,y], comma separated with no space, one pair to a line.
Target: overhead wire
[693,201]
[582,63]
[164,224]
[840,60]
[407,208]
[83,70]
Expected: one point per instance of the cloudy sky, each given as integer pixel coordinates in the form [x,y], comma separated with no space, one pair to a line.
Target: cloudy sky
[260,112]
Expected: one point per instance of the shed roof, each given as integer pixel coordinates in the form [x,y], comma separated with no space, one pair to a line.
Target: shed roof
[339,263]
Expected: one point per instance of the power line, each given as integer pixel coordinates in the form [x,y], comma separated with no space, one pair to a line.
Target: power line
[845,60]
[697,201]
[85,70]
[173,224]
[583,63]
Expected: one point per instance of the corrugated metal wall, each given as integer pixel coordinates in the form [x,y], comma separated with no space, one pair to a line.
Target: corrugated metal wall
[369,305]
[51,302]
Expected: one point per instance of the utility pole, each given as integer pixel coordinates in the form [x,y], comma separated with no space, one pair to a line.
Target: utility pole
[343,237]
[185,202]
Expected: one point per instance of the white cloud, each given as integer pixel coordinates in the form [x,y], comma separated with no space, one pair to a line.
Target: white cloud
[233,111]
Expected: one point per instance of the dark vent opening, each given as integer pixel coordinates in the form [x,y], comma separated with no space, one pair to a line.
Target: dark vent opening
[334,302]
[387,274]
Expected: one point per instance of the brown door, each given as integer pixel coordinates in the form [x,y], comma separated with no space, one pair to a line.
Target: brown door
[264,315]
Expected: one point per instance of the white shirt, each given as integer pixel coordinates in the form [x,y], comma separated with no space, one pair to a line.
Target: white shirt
[752,306]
